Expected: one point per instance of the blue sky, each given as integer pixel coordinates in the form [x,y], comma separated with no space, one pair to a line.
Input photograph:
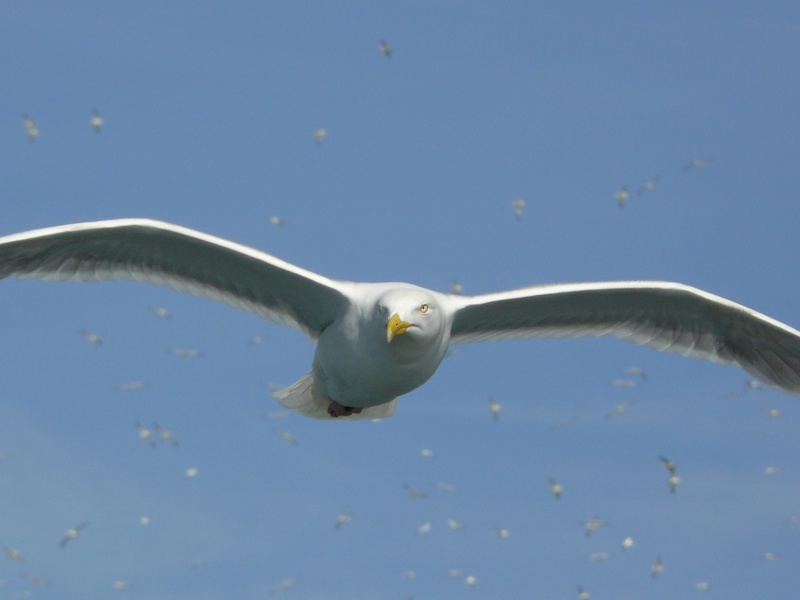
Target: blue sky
[210,111]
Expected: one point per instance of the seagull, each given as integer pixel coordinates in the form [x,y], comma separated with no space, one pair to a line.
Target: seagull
[14,554]
[186,352]
[73,533]
[591,525]
[342,519]
[165,435]
[96,121]
[622,196]
[518,205]
[385,48]
[494,408]
[378,341]
[673,480]
[131,386]
[657,568]
[30,128]
[283,586]
[286,436]
[556,488]
[91,337]
[145,434]
[413,492]
[161,312]
[648,185]
[696,163]
[619,409]
[319,135]
[627,543]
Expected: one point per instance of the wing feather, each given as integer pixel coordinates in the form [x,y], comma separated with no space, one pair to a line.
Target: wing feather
[665,316]
[159,253]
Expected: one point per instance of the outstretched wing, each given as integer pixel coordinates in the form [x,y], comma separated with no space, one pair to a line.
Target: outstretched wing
[661,315]
[180,258]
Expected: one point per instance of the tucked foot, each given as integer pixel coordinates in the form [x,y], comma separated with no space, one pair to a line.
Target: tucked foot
[336,410]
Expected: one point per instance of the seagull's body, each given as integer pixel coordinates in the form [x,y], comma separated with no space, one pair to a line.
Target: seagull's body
[378,341]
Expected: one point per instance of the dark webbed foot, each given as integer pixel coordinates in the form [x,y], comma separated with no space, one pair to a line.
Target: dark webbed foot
[336,410]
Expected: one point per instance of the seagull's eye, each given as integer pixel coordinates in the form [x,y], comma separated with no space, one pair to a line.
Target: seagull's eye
[424,308]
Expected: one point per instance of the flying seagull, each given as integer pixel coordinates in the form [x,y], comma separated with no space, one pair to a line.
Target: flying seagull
[378,341]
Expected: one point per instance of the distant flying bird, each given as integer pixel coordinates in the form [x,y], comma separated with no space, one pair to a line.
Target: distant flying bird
[627,543]
[131,386]
[518,205]
[286,436]
[500,532]
[556,488]
[319,135]
[96,121]
[165,435]
[582,593]
[592,525]
[702,586]
[91,337]
[494,408]
[283,586]
[191,472]
[378,341]
[649,185]
[622,196]
[145,434]
[385,48]
[636,372]
[413,492]
[657,568]
[73,533]
[424,528]
[342,519]
[161,312]
[453,524]
[275,220]
[696,163]
[257,339]
[619,409]
[750,385]
[30,128]
[14,554]
[624,383]
[673,480]
[426,453]
[186,352]
[456,287]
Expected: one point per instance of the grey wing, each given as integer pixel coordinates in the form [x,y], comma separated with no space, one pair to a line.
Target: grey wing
[163,254]
[661,315]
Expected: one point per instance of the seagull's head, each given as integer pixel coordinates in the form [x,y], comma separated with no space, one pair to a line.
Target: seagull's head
[409,316]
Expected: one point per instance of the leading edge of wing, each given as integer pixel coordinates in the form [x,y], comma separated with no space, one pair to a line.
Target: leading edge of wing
[661,315]
[183,259]
[585,309]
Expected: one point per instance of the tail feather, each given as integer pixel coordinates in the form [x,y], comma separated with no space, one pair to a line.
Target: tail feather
[300,397]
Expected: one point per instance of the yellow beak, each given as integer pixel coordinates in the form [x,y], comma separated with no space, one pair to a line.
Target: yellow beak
[396,326]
